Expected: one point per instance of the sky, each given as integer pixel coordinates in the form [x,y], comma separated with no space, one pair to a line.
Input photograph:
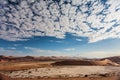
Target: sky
[81,28]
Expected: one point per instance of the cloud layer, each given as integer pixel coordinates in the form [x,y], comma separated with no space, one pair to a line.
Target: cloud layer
[94,19]
[10,51]
[100,54]
[42,52]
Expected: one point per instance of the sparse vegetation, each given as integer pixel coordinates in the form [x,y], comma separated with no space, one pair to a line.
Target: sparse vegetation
[29,72]
[104,75]
[3,77]
[86,75]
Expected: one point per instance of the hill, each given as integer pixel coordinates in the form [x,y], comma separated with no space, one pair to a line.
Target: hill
[105,62]
[113,59]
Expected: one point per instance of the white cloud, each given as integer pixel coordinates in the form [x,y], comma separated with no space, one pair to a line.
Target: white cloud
[11,48]
[31,51]
[100,54]
[10,52]
[56,41]
[59,41]
[78,39]
[25,21]
[69,49]
[42,52]
[15,45]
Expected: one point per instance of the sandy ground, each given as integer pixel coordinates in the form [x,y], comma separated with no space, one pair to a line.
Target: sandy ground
[3,77]
[65,72]
[9,66]
[44,71]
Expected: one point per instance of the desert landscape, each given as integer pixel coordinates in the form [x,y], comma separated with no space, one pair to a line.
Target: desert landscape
[59,68]
[59,39]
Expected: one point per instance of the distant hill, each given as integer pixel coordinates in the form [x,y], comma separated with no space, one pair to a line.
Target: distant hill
[105,62]
[40,58]
[64,60]
[12,58]
[113,59]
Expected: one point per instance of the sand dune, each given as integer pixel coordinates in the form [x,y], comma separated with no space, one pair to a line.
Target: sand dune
[105,62]
[113,59]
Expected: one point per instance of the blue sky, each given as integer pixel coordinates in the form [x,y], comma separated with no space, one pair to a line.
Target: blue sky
[60,28]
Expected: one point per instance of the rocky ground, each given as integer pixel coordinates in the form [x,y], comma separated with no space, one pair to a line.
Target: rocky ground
[65,72]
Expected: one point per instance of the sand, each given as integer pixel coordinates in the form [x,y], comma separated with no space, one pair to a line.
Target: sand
[65,72]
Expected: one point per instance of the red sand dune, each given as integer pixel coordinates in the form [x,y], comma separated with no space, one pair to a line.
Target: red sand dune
[85,62]
[113,59]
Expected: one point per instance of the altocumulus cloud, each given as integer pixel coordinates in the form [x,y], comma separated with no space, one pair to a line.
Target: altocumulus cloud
[94,19]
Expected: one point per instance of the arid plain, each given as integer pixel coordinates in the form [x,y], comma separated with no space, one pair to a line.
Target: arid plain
[58,68]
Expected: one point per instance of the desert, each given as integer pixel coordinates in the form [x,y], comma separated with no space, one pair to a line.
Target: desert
[57,68]
[59,39]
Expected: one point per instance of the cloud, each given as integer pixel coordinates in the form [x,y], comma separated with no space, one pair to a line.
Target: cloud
[56,41]
[78,39]
[42,52]
[16,45]
[12,48]
[94,19]
[10,52]
[59,41]
[30,51]
[100,54]
[69,49]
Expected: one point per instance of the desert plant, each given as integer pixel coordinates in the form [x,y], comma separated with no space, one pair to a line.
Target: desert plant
[104,75]
[86,76]
[29,72]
